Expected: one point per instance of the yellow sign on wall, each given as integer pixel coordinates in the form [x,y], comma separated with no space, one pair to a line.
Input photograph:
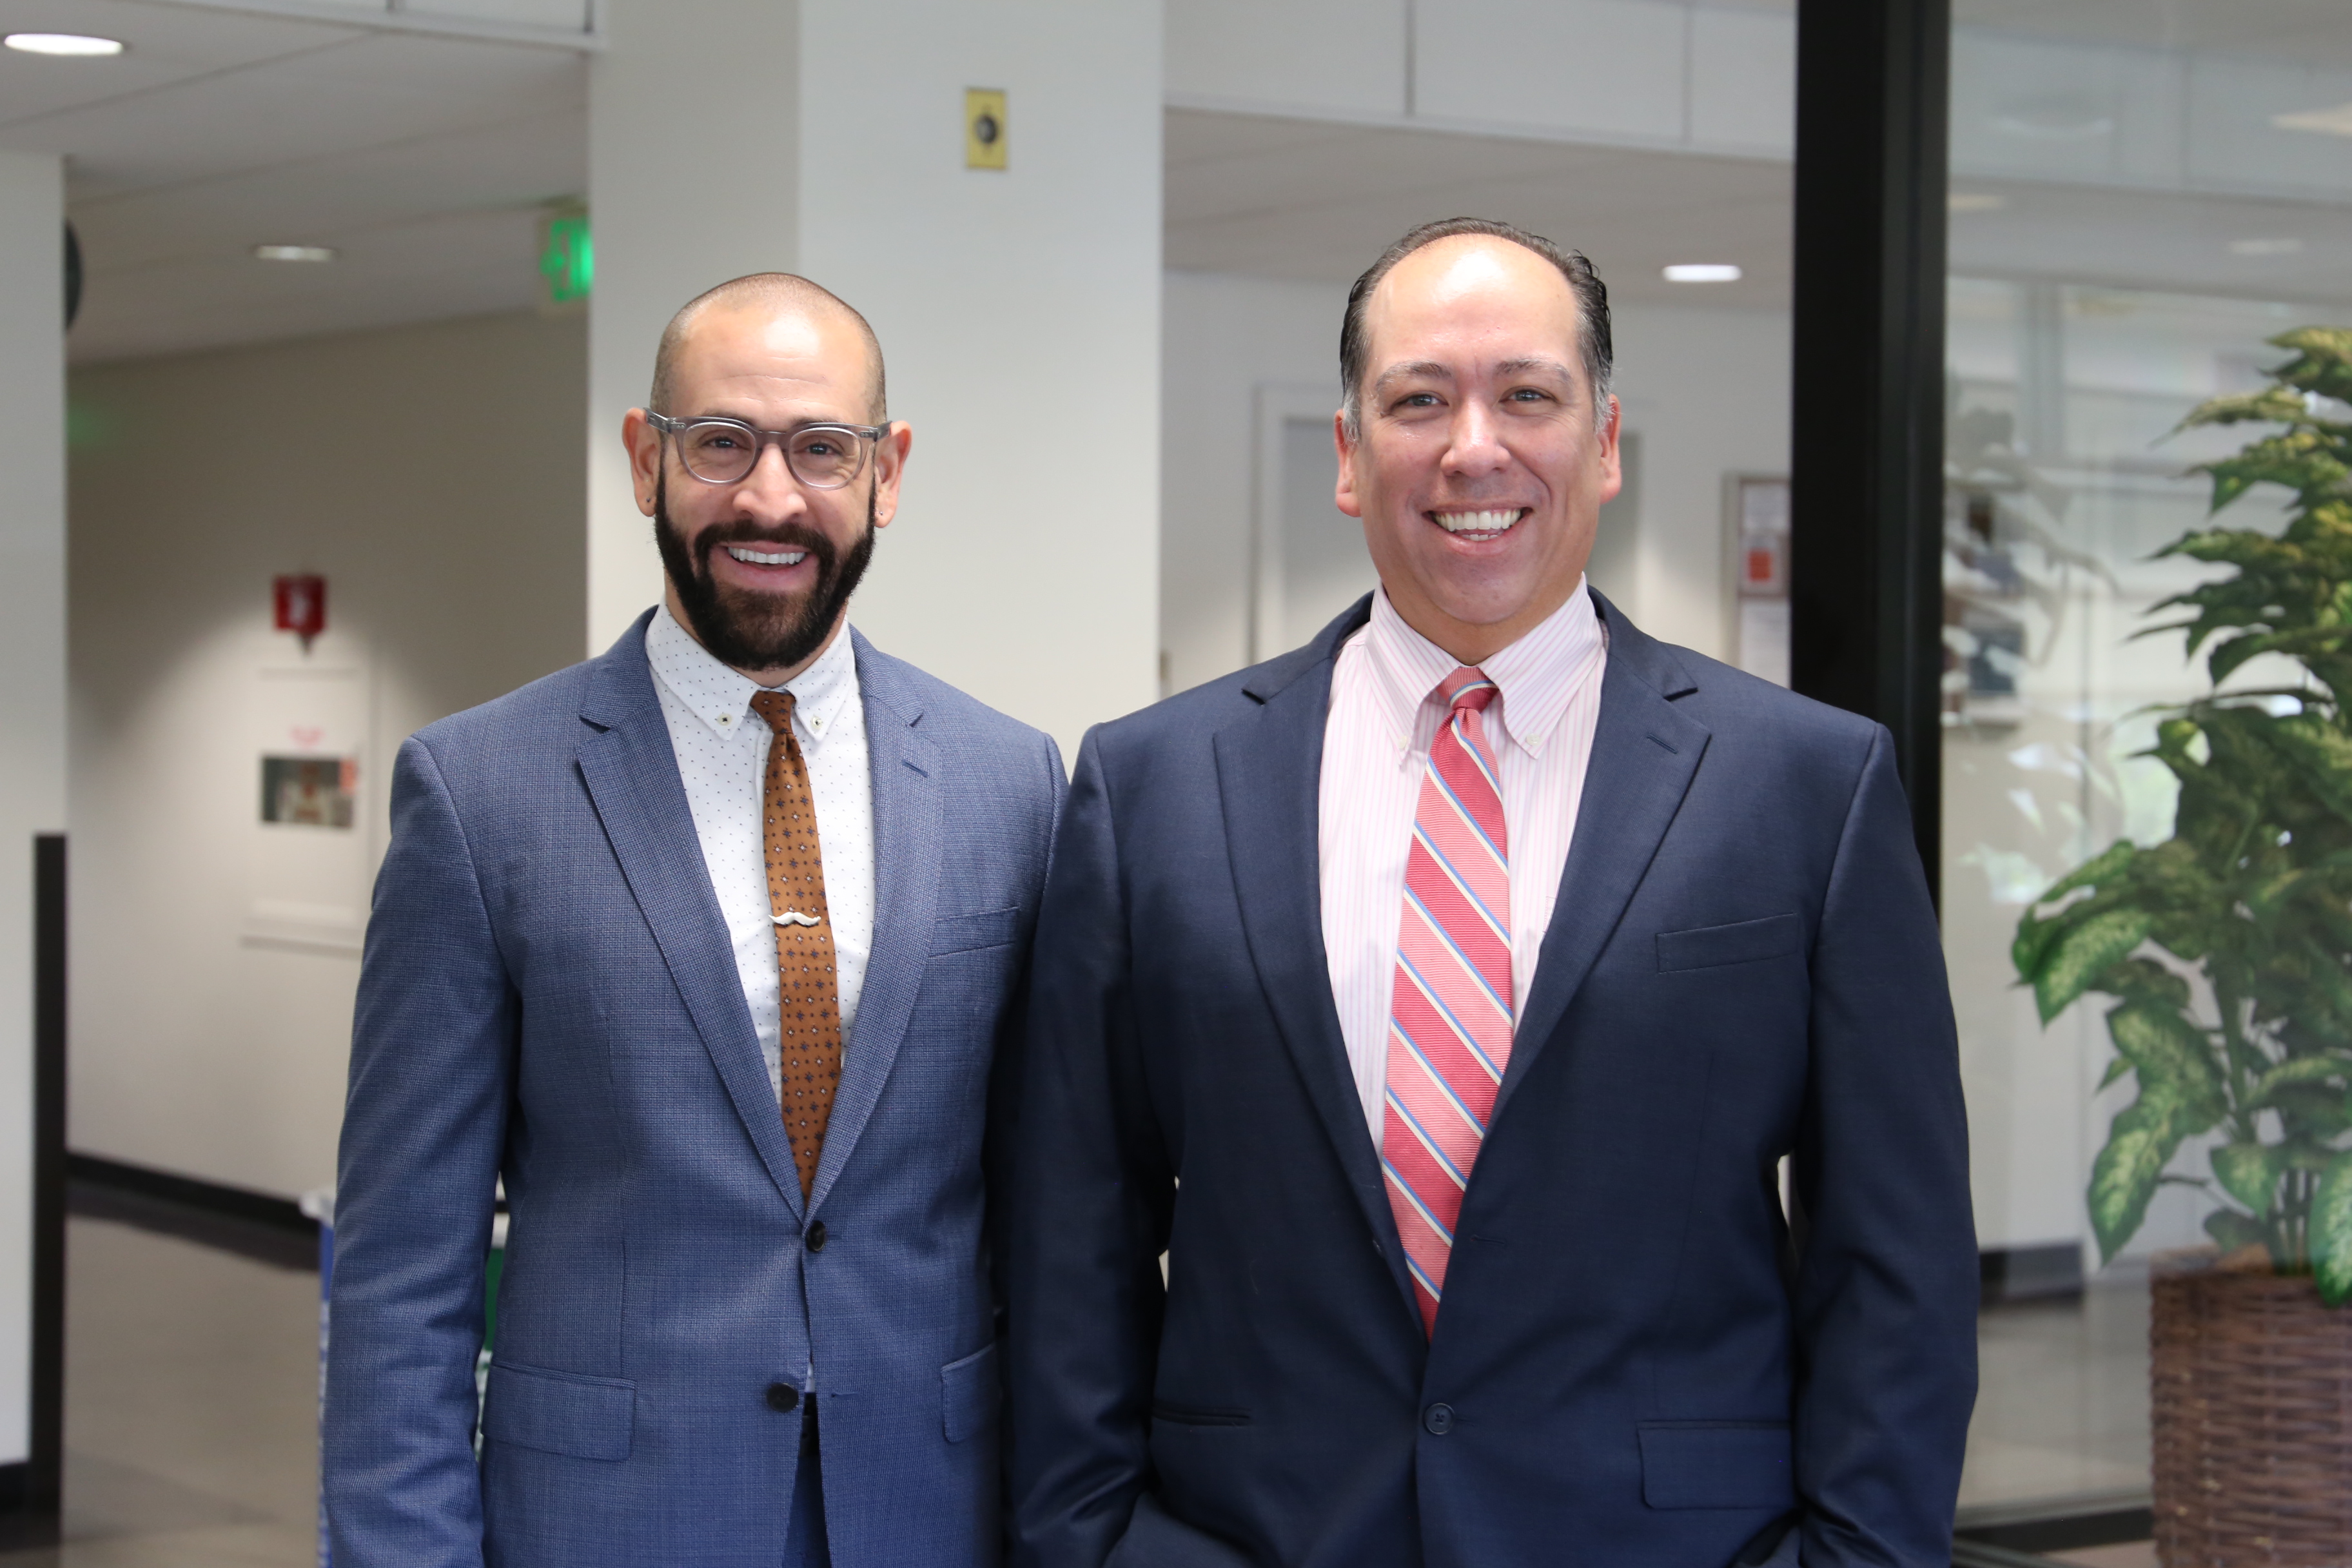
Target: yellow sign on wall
[984,128]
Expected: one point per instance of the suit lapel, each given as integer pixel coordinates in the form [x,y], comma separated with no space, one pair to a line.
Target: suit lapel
[630,772]
[906,852]
[1645,752]
[1269,766]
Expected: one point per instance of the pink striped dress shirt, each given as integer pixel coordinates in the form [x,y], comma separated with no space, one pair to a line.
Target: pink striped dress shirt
[1376,743]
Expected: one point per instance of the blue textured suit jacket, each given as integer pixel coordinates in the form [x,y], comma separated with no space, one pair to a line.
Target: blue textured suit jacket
[1634,1365]
[549,994]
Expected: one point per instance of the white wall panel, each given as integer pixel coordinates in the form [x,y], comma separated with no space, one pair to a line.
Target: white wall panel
[557,16]
[1743,81]
[2038,109]
[2234,142]
[1609,68]
[1343,54]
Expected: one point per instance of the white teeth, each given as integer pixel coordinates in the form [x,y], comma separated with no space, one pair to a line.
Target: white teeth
[1477,522]
[758,558]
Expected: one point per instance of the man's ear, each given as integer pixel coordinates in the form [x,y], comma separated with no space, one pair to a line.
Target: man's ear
[644,443]
[890,467]
[1343,494]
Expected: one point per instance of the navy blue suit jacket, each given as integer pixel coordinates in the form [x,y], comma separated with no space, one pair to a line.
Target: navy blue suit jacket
[1635,1363]
[550,995]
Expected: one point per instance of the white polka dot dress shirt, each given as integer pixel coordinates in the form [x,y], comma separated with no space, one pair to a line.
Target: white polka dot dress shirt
[722,757]
[1376,740]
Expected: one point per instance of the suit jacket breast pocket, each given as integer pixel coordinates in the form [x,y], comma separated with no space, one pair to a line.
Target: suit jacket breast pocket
[1743,942]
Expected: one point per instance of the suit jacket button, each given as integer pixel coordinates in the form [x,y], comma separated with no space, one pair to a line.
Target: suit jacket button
[783,1397]
[816,1236]
[1439,1419]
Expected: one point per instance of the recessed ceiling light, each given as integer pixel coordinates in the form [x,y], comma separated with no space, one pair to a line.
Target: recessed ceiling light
[1702,272]
[1975,202]
[2281,246]
[2336,122]
[62,44]
[295,252]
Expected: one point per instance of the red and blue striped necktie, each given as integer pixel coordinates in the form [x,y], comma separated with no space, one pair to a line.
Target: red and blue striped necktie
[1450,1023]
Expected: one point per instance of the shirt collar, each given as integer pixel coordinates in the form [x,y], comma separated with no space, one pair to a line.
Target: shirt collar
[721,696]
[1533,677]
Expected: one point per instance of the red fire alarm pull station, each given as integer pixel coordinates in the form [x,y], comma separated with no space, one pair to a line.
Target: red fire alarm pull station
[301,602]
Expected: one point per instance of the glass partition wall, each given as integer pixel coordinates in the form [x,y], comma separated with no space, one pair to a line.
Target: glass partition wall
[2144,193]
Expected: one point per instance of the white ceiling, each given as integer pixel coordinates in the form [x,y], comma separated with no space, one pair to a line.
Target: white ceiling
[424,160]
[427,159]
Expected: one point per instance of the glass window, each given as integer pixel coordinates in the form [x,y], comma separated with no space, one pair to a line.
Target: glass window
[2145,195]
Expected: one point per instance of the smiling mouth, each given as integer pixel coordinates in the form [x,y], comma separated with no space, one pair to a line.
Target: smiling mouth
[750,557]
[1492,523]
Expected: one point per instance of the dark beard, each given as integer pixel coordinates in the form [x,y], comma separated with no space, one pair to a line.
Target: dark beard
[760,631]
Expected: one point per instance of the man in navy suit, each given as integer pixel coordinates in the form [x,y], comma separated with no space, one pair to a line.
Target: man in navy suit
[705,947]
[1435,1003]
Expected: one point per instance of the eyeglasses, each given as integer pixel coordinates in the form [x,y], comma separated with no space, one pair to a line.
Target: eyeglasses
[725,451]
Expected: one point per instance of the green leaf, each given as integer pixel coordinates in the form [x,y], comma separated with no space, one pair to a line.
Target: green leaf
[2323,754]
[2145,980]
[2144,1137]
[2331,1231]
[2168,1049]
[2248,1172]
[2302,1069]
[2104,866]
[2232,1230]
[2072,964]
[2116,1069]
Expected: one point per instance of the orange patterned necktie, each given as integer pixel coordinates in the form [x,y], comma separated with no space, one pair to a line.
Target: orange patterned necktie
[809,1003]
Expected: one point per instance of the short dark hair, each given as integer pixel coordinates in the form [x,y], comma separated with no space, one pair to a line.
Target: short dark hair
[767,289]
[1592,306]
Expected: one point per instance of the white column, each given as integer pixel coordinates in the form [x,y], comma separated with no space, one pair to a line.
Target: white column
[1018,308]
[693,178]
[32,695]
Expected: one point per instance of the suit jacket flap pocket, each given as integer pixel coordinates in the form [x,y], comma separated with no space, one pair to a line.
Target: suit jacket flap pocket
[1716,1464]
[1774,936]
[558,1412]
[964,933]
[970,1392]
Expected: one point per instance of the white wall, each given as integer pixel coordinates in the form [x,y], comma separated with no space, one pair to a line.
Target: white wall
[433,475]
[32,696]
[1018,309]
[1706,391]
[1224,337]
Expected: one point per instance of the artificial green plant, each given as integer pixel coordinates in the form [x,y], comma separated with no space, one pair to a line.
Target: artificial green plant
[2254,887]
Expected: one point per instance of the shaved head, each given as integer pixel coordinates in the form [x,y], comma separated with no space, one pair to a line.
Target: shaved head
[772,293]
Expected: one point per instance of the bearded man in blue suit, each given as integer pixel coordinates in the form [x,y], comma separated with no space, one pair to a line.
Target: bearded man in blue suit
[704,947]
[1439,1000]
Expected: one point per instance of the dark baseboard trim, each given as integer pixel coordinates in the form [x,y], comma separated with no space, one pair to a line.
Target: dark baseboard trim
[29,1492]
[252,1225]
[26,1520]
[2071,1533]
[2029,1273]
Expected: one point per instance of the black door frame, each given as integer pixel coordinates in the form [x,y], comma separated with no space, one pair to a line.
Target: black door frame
[1866,398]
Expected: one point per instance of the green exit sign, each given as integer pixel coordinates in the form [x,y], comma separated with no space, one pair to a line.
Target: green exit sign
[567,259]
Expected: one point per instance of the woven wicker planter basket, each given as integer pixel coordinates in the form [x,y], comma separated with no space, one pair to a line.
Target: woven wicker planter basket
[2251,1405]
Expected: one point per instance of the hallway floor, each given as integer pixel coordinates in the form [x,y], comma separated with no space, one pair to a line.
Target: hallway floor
[192,1399]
